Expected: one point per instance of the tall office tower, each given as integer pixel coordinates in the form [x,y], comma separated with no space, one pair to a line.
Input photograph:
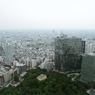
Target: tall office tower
[88,68]
[8,54]
[68,53]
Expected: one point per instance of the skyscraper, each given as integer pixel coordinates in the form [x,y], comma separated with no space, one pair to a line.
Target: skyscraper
[8,54]
[68,53]
[88,67]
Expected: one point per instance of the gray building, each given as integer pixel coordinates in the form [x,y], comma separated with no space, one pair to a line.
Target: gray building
[68,53]
[49,66]
[88,68]
[8,54]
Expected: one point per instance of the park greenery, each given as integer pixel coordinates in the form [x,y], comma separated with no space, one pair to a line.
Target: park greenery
[16,78]
[55,84]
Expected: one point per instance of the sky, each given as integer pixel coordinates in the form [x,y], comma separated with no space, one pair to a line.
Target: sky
[47,14]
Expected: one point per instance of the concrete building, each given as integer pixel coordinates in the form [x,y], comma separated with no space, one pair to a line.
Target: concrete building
[48,66]
[38,60]
[27,62]
[1,59]
[42,77]
[8,54]
[91,47]
[68,53]
[21,68]
[34,63]
[6,76]
[11,72]
[23,74]
[42,66]
[1,79]
[88,68]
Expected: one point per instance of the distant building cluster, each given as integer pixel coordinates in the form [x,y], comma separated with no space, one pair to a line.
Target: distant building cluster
[21,51]
[72,53]
[7,73]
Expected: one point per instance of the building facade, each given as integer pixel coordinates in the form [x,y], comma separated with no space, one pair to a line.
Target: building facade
[8,54]
[88,68]
[68,53]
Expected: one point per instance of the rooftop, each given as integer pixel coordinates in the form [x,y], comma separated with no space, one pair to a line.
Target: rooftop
[41,77]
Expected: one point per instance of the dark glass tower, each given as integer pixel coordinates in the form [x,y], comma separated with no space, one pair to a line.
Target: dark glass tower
[68,53]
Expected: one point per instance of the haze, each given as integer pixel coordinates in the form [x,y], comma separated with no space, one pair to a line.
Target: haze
[47,14]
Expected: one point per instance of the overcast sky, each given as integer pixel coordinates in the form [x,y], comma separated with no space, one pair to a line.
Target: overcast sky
[47,14]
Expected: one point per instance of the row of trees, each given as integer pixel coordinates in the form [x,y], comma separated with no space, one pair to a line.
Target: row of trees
[55,84]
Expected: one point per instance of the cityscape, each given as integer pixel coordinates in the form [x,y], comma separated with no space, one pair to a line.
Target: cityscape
[21,51]
[47,47]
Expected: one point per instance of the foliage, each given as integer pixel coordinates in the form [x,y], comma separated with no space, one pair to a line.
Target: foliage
[93,85]
[55,84]
[16,78]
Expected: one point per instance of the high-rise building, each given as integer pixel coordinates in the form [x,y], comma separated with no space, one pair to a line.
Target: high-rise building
[88,67]
[91,47]
[1,51]
[68,53]
[8,54]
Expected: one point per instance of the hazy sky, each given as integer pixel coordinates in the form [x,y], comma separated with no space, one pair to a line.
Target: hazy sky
[47,14]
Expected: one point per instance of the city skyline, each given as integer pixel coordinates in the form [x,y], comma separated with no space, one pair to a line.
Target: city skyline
[50,41]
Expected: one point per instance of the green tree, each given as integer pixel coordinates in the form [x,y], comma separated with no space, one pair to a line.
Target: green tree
[93,85]
[16,78]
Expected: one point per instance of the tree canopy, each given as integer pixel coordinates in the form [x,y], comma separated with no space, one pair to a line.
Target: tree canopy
[55,84]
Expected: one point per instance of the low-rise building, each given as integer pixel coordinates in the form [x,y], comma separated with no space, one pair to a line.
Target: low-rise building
[42,77]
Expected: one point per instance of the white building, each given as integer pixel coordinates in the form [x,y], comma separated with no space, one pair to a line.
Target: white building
[34,63]
[90,47]
[1,59]
[8,54]
[6,76]
[48,66]
[42,66]
[27,61]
